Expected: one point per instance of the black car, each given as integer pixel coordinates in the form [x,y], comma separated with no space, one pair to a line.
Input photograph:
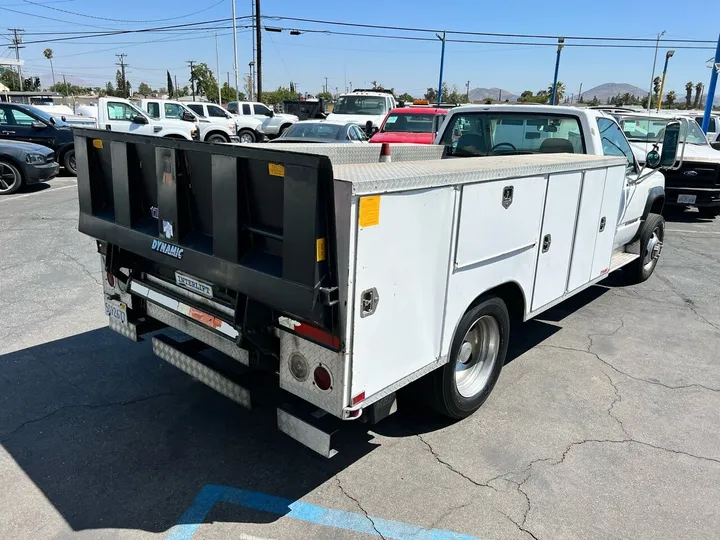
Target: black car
[25,163]
[322,131]
[19,122]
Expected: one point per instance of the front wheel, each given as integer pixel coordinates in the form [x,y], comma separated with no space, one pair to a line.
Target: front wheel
[69,162]
[217,138]
[477,356]
[246,136]
[10,178]
[652,236]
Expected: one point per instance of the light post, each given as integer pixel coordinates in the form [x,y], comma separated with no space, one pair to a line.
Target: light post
[668,56]
[652,77]
[442,63]
[711,90]
[553,98]
[251,65]
[235,53]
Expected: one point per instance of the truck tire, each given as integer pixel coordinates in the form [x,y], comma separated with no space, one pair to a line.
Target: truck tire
[217,138]
[477,356]
[652,235]
[69,162]
[10,177]
[283,129]
[246,136]
[709,212]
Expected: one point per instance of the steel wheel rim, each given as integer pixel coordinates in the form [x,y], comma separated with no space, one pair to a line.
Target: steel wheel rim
[71,162]
[653,248]
[477,356]
[8,178]
[246,138]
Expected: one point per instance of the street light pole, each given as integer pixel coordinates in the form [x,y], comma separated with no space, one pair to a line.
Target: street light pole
[442,64]
[652,77]
[711,90]
[553,98]
[237,82]
[668,55]
[217,69]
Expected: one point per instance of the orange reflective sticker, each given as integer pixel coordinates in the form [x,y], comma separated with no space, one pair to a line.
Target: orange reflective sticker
[275,169]
[97,143]
[320,249]
[204,318]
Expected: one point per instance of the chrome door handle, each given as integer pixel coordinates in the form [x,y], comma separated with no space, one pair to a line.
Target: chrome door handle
[7,132]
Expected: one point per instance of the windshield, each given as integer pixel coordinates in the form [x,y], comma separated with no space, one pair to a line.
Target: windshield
[363,105]
[313,131]
[652,130]
[490,133]
[45,116]
[408,123]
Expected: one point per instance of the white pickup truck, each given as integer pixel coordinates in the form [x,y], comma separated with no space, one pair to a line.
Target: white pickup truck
[346,278]
[273,124]
[117,114]
[248,128]
[363,106]
[210,131]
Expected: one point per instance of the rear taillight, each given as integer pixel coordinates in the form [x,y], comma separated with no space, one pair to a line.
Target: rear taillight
[316,334]
[322,378]
[111,279]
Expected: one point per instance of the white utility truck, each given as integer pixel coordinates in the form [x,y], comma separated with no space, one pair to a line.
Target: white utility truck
[347,278]
[248,128]
[367,108]
[273,124]
[117,114]
[210,131]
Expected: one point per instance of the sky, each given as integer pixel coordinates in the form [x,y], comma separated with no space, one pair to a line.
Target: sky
[406,65]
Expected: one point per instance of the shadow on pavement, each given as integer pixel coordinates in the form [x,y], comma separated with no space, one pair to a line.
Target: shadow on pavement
[680,215]
[116,438]
[34,188]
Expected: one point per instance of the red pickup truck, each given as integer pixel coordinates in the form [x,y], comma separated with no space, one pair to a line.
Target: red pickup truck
[408,125]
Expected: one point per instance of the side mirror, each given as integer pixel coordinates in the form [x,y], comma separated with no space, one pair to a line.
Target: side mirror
[270,113]
[38,125]
[670,145]
[369,128]
[715,145]
[139,119]
[401,103]
[438,120]
[188,116]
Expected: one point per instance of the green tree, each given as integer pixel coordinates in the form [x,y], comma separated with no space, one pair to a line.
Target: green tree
[170,86]
[278,96]
[542,97]
[407,98]
[228,93]
[688,93]
[205,82]
[325,96]
[594,102]
[431,95]
[48,53]
[123,85]
[526,96]
[560,94]
[670,98]
[145,89]
[182,92]
[10,78]
[698,93]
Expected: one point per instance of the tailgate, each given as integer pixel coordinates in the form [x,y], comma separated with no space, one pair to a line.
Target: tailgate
[257,222]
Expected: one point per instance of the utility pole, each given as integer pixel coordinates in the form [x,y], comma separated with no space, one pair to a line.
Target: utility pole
[467,91]
[553,97]
[176,88]
[191,63]
[580,94]
[17,40]
[217,70]
[258,60]
[326,86]
[442,64]
[237,81]
[652,77]
[122,65]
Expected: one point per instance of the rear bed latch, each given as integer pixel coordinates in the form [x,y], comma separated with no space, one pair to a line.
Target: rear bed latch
[368,302]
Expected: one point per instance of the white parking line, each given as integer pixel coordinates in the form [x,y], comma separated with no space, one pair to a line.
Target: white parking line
[686,231]
[35,194]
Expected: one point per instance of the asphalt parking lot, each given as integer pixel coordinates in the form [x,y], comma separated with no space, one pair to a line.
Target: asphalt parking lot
[605,422]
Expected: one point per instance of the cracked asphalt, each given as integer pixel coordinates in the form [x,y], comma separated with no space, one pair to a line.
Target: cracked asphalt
[605,422]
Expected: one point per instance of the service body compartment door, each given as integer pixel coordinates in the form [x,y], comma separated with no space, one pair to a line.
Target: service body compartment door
[588,225]
[610,213]
[556,238]
[401,273]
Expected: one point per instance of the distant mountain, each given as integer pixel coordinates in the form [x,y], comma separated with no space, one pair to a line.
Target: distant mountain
[608,90]
[479,94]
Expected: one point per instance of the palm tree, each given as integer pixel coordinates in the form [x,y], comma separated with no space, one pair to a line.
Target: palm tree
[698,93]
[560,92]
[670,98]
[49,55]
[688,93]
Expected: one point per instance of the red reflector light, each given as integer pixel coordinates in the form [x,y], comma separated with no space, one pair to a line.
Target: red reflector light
[110,279]
[359,398]
[318,335]
[322,378]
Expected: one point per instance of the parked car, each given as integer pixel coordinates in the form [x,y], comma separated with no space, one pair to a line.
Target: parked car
[322,131]
[24,163]
[408,125]
[713,132]
[20,122]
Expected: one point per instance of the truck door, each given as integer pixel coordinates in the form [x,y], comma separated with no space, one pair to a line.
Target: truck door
[121,116]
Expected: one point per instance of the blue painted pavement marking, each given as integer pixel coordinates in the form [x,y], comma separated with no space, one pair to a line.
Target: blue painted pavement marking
[211,494]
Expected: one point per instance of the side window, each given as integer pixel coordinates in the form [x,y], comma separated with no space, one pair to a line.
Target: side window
[713,124]
[359,134]
[21,118]
[173,110]
[153,109]
[120,111]
[4,116]
[246,109]
[352,134]
[197,109]
[216,112]
[261,109]
[614,142]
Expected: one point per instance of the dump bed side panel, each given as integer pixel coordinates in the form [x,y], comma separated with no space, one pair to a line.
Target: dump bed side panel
[255,222]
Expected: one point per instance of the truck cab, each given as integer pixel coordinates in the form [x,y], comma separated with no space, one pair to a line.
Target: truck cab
[209,131]
[117,114]
[505,130]
[273,124]
[363,107]
[697,182]
[248,129]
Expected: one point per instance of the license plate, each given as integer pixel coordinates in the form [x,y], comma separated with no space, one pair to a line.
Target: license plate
[687,199]
[194,285]
[116,310]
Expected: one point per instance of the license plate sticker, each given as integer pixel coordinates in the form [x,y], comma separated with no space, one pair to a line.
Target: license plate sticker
[116,310]
[687,199]
[195,285]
